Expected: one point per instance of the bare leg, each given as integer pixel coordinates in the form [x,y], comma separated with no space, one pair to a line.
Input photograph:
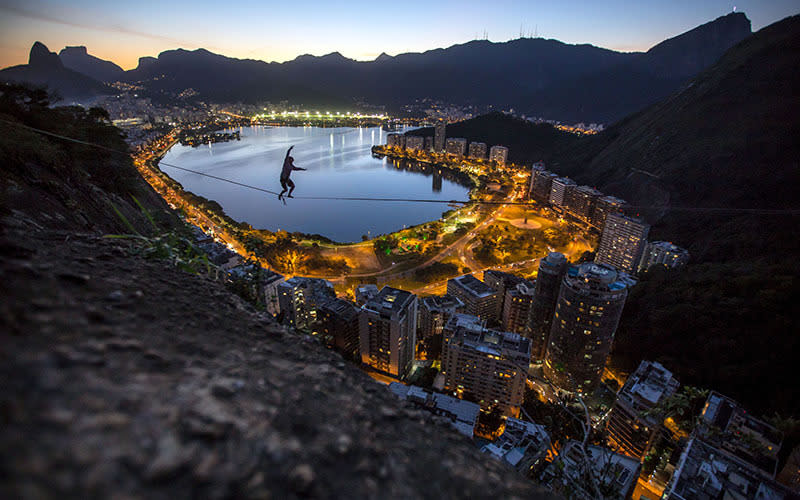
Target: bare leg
[283,185]
[291,188]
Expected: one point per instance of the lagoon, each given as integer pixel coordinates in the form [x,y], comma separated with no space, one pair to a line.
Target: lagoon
[339,163]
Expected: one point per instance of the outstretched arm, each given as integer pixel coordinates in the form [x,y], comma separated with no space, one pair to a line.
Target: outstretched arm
[297,168]
[289,151]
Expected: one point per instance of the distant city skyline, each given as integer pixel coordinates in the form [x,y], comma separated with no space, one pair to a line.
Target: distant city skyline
[359,30]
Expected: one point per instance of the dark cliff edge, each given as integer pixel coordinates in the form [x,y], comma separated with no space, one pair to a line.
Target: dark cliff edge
[123,376]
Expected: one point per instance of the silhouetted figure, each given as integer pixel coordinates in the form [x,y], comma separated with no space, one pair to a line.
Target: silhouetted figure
[286,182]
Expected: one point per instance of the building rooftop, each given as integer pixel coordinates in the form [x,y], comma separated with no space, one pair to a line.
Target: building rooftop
[650,382]
[462,414]
[613,200]
[389,301]
[601,276]
[704,472]
[616,472]
[474,286]
[728,426]
[519,439]
[441,302]
[566,181]
[268,276]
[508,278]
[303,282]
[492,342]
[465,321]
[588,190]
[341,307]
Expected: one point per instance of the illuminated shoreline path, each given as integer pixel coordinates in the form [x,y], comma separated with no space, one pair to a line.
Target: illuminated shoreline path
[318,115]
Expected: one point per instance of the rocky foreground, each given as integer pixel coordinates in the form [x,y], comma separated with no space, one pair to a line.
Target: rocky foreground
[125,377]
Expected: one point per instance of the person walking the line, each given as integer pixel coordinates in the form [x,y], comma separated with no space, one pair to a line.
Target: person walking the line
[286,182]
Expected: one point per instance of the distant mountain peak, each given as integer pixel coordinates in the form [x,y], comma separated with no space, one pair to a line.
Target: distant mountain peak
[383,57]
[41,56]
[337,56]
[74,49]
[77,58]
[146,61]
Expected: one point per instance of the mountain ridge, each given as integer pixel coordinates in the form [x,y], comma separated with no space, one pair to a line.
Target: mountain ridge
[537,76]
[46,69]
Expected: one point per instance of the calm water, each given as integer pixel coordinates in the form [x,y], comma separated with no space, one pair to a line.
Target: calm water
[339,163]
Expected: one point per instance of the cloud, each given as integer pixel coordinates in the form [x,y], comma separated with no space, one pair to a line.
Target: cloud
[41,16]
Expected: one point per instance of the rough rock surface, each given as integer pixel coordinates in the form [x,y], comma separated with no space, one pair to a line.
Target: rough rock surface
[127,378]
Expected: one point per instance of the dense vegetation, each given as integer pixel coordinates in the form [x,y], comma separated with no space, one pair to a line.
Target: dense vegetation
[66,184]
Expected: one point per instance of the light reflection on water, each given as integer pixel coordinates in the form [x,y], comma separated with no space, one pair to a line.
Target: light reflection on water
[339,163]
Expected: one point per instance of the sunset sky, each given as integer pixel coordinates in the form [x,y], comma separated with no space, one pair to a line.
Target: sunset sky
[280,31]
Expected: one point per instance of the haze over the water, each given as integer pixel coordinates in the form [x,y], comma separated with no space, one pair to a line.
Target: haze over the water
[280,31]
[339,163]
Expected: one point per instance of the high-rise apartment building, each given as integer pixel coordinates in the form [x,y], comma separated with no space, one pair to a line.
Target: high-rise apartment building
[581,202]
[433,313]
[479,298]
[299,299]
[387,331]
[486,365]
[622,242]
[337,322]
[516,308]
[498,155]
[587,313]
[663,253]
[632,427]
[542,185]
[560,190]
[606,205]
[456,146]
[477,150]
[501,282]
[548,283]
[439,137]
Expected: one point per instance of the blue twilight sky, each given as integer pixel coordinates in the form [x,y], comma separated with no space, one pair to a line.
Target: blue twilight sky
[122,31]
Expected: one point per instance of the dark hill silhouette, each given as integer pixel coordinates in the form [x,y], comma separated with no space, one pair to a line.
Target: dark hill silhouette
[223,79]
[609,94]
[78,59]
[541,77]
[477,72]
[45,69]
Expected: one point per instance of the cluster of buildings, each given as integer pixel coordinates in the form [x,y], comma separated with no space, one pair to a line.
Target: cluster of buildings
[486,334]
[571,314]
[623,241]
[456,147]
